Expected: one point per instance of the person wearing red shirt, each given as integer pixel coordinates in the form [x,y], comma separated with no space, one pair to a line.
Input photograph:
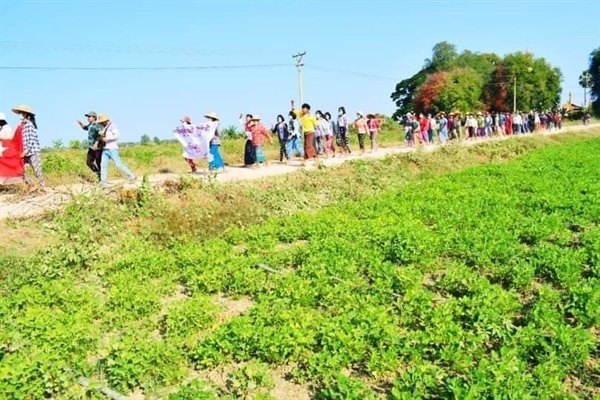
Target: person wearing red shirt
[259,133]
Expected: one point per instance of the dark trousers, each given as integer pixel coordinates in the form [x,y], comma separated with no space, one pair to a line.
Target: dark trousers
[94,159]
[283,150]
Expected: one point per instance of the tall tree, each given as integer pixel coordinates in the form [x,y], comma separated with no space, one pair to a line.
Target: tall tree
[405,91]
[495,91]
[426,97]
[462,91]
[444,57]
[536,82]
[594,71]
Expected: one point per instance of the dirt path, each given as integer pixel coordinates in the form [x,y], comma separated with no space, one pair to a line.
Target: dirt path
[18,206]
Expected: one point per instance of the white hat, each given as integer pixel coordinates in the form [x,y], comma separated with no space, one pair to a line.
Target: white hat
[360,113]
[212,115]
[2,117]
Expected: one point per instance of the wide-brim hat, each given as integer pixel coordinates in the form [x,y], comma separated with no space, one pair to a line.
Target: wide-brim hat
[187,119]
[456,113]
[255,118]
[212,115]
[360,113]
[103,118]
[23,108]
[2,117]
[371,116]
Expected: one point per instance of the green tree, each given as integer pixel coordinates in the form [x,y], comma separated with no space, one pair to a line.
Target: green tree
[462,91]
[156,140]
[537,82]
[594,71]
[145,139]
[74,144]
[444,57]
[405,91]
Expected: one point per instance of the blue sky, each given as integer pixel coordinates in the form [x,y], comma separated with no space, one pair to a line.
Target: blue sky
[356,52]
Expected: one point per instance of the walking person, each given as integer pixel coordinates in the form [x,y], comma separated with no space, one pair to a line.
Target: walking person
[94,156]
[330,130]
[508,124]
[432,128]
[249,154]
[502,124]
[456,125]
[407,122]
[360,124]
[259,133]
[32,151]
[424,128]
[217,164]
[308,123]
[320,133]
[343,138]
[283,134]
[294,145]
[110,136]
[443,126]
[517,123]
[186,122]
[489,125]
[374,127]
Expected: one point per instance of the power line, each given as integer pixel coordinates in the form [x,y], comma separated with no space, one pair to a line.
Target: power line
[128,49]
[166,68]
[354,73]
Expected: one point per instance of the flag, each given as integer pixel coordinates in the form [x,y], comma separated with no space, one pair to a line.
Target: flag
[195,139]
[12,168]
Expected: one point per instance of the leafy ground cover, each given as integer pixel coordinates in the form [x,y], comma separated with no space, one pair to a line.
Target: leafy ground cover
[478,284]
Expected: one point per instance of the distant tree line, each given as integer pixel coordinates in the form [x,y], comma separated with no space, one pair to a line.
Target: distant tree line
[470,81]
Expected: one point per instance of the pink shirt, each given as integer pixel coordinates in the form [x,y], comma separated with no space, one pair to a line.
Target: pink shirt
[374,125]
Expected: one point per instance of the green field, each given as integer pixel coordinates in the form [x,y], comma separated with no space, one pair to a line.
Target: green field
[416,276]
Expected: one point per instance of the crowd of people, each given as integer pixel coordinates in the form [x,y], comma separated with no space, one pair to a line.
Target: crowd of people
[307,135]
[304,134]
[424,129]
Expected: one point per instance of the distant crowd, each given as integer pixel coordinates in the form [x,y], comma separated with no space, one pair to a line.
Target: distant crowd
[303,134]
[426,129]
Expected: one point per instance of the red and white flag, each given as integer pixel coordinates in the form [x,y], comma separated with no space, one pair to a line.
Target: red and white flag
[12,167]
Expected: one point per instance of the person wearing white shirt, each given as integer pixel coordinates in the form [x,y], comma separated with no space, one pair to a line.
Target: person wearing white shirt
[517,123]
[110,136]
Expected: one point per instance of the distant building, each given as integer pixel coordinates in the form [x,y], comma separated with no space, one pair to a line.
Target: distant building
[570,107]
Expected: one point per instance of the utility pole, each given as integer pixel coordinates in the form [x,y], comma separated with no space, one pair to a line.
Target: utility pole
[299,65]
[514,94]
